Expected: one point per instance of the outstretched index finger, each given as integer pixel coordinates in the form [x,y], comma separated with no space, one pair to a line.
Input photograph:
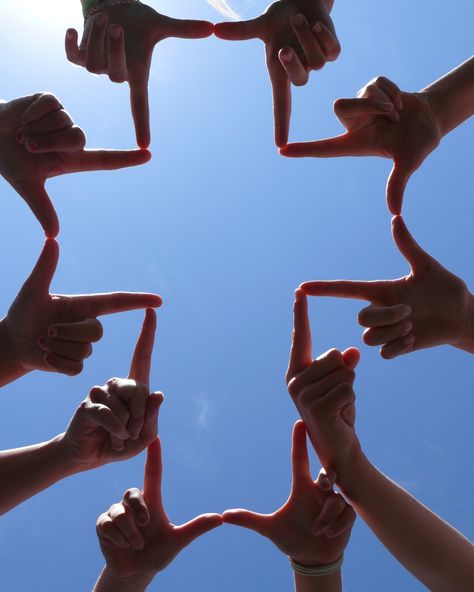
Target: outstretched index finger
[375,291]
[301,348]
[141,361]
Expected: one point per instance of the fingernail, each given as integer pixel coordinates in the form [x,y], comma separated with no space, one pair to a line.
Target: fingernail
[143,520]
[114,32]
[31,145]
[386,106]
[100,18]
[42,343]
[406,311]
[406,328]
[317,28]
[325,483]
[52,332]
[20,137]
[408,340]
[298,20]
[70,34]
[286,54]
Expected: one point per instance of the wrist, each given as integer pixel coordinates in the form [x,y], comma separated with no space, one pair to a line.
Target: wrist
[10,366]
[110,582]
[466,342]
[353,477]
[329,583]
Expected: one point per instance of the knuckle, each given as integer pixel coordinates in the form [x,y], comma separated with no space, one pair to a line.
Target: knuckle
[79,136]
[74,371]
[334,355]
[87,353]
[293,387]
[132,494]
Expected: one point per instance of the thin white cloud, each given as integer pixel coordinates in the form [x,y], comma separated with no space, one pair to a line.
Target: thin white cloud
[224,8]
[203,411]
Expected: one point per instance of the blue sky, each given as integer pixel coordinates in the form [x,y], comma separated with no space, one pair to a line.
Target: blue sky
[224,229]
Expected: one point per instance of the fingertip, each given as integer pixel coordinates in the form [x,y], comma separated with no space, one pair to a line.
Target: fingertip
[351,357]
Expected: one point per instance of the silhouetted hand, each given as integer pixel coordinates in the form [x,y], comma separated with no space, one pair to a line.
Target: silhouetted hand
[322,391]
[38,140]
[299,36]
[119,41]
[54,332]
[314,525]
[137,537]
[428,307]
[382,121]
[119,419]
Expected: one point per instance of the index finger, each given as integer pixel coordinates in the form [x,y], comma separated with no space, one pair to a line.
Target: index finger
[281,88]
[299,454]
[141,361]
[344,145]
[375,291]
[109,160]
[301,347]
[140,108]
[96,305]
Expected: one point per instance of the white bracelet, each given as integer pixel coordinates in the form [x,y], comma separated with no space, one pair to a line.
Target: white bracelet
[97,5]
[318,570]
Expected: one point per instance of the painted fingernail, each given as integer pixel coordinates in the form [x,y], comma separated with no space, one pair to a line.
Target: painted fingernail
[386,106]
[114,32]
[20,136]
[317,28]
[406,328]
[286,54]
[52,332]
[31,145]
[42,343]
[406,311]
[298,20]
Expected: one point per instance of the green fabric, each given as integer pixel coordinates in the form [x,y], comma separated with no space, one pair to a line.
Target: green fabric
[87,5]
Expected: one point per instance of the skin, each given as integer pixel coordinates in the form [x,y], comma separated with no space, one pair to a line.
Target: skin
[299,36]
[313,526]
[119,41]
[403,126]
[54,332]
[136,536]
[105,429]
[428,307]
[432,550]
[38,140]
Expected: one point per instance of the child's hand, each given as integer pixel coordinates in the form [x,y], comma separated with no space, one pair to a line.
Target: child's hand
[322,392]
[119,419]
[119,41]
[53,332]
[39,140]
[428,307]
[382,121]
[137,537]
[299,36]
[314,525]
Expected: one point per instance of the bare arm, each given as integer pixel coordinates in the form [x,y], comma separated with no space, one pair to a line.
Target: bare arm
[452,96]
[430,548]
[108,582]
[10,368]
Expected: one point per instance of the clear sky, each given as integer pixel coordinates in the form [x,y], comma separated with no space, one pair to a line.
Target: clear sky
[225,229]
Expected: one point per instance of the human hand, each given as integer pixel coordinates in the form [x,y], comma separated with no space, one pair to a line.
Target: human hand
[137,537]
[299,36]
[119,41]
[382,121]
[38,140]
[54,332]
[314,525]
[428,307]
[120,419]
[322,392]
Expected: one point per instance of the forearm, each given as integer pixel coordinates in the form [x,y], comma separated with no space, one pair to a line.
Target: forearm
[10,369]
[452,96]
[24,472]
[467,341]
[107,582]
[329,583]
[432,550]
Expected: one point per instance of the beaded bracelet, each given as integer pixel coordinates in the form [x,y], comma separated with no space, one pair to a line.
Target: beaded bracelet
[90,7]
[319,570]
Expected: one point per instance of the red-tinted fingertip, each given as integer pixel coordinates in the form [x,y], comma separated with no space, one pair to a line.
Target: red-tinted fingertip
[351,357]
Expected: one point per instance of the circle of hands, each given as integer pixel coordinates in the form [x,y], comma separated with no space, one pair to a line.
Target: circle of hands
[49,332]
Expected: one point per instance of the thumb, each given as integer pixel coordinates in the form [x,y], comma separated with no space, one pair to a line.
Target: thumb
[197,527]
[246,519]
[40,278]
[35,195]
[396,187]
[351,357]
[239,31]
[408,247]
